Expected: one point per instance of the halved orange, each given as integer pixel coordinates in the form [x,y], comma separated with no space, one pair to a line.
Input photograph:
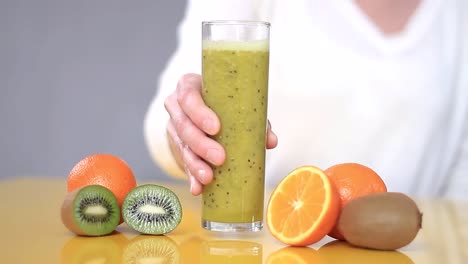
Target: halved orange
[303,208]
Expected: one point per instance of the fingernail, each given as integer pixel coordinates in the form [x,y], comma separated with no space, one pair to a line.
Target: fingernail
[191,183]
[213,155]
[208,126]
[202,175]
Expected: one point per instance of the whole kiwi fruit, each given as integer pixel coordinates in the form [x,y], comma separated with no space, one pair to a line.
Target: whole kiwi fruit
[92,210]
[152,209]
[385,221]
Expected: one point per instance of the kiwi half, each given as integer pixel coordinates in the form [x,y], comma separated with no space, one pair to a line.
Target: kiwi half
[92,210]
[152,209]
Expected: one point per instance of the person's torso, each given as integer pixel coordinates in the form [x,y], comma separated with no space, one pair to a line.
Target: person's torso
[340,91]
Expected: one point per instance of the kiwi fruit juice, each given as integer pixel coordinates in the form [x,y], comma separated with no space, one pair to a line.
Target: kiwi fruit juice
[235,87]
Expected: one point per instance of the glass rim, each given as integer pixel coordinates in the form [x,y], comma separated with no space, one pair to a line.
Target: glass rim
[237,22]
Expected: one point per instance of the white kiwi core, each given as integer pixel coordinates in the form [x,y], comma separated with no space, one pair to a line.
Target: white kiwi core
[97,210]
[151,209]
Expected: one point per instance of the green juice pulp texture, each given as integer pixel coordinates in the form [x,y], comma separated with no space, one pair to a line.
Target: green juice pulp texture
[235,86]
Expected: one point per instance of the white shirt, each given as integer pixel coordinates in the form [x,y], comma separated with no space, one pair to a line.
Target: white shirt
[342,91]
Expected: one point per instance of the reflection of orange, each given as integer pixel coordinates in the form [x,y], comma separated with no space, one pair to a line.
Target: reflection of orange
[106,170]
[103,249]
[303,208]
[151,249]
[353,180]
[337,252]
[299,255]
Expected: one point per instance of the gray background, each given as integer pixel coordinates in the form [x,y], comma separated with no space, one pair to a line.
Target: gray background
[76,78]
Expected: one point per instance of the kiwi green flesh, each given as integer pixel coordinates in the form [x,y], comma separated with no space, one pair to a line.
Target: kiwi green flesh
[92,210]
[385,221]
[152,209]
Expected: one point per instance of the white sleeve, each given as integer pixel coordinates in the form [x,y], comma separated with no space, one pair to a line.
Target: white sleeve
[186,59]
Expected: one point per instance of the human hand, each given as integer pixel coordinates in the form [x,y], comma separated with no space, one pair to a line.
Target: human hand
[189,127]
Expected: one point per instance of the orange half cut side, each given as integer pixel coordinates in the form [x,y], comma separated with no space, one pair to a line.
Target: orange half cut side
[303,208]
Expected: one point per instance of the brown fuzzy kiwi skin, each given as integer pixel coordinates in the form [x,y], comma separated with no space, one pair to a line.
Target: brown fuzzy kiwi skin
[66,213]
[384,221]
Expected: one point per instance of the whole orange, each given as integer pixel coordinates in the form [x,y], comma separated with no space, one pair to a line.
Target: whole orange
[353,180]
[107,170]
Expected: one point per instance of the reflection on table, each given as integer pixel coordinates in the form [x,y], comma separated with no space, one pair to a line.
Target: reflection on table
[36,235]
[116,248]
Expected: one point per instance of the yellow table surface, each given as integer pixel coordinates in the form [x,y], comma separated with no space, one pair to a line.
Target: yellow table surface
[32,232]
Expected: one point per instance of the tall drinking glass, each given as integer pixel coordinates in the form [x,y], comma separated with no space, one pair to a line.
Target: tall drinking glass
[235,86]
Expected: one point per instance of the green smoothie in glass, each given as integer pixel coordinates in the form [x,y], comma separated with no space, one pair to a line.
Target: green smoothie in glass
[235,87]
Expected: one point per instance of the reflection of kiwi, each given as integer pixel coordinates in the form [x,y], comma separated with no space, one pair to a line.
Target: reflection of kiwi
[151,249]
[152,209]
[91,210]
[104,249]
[300,255]
[337,252]
[384,221]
